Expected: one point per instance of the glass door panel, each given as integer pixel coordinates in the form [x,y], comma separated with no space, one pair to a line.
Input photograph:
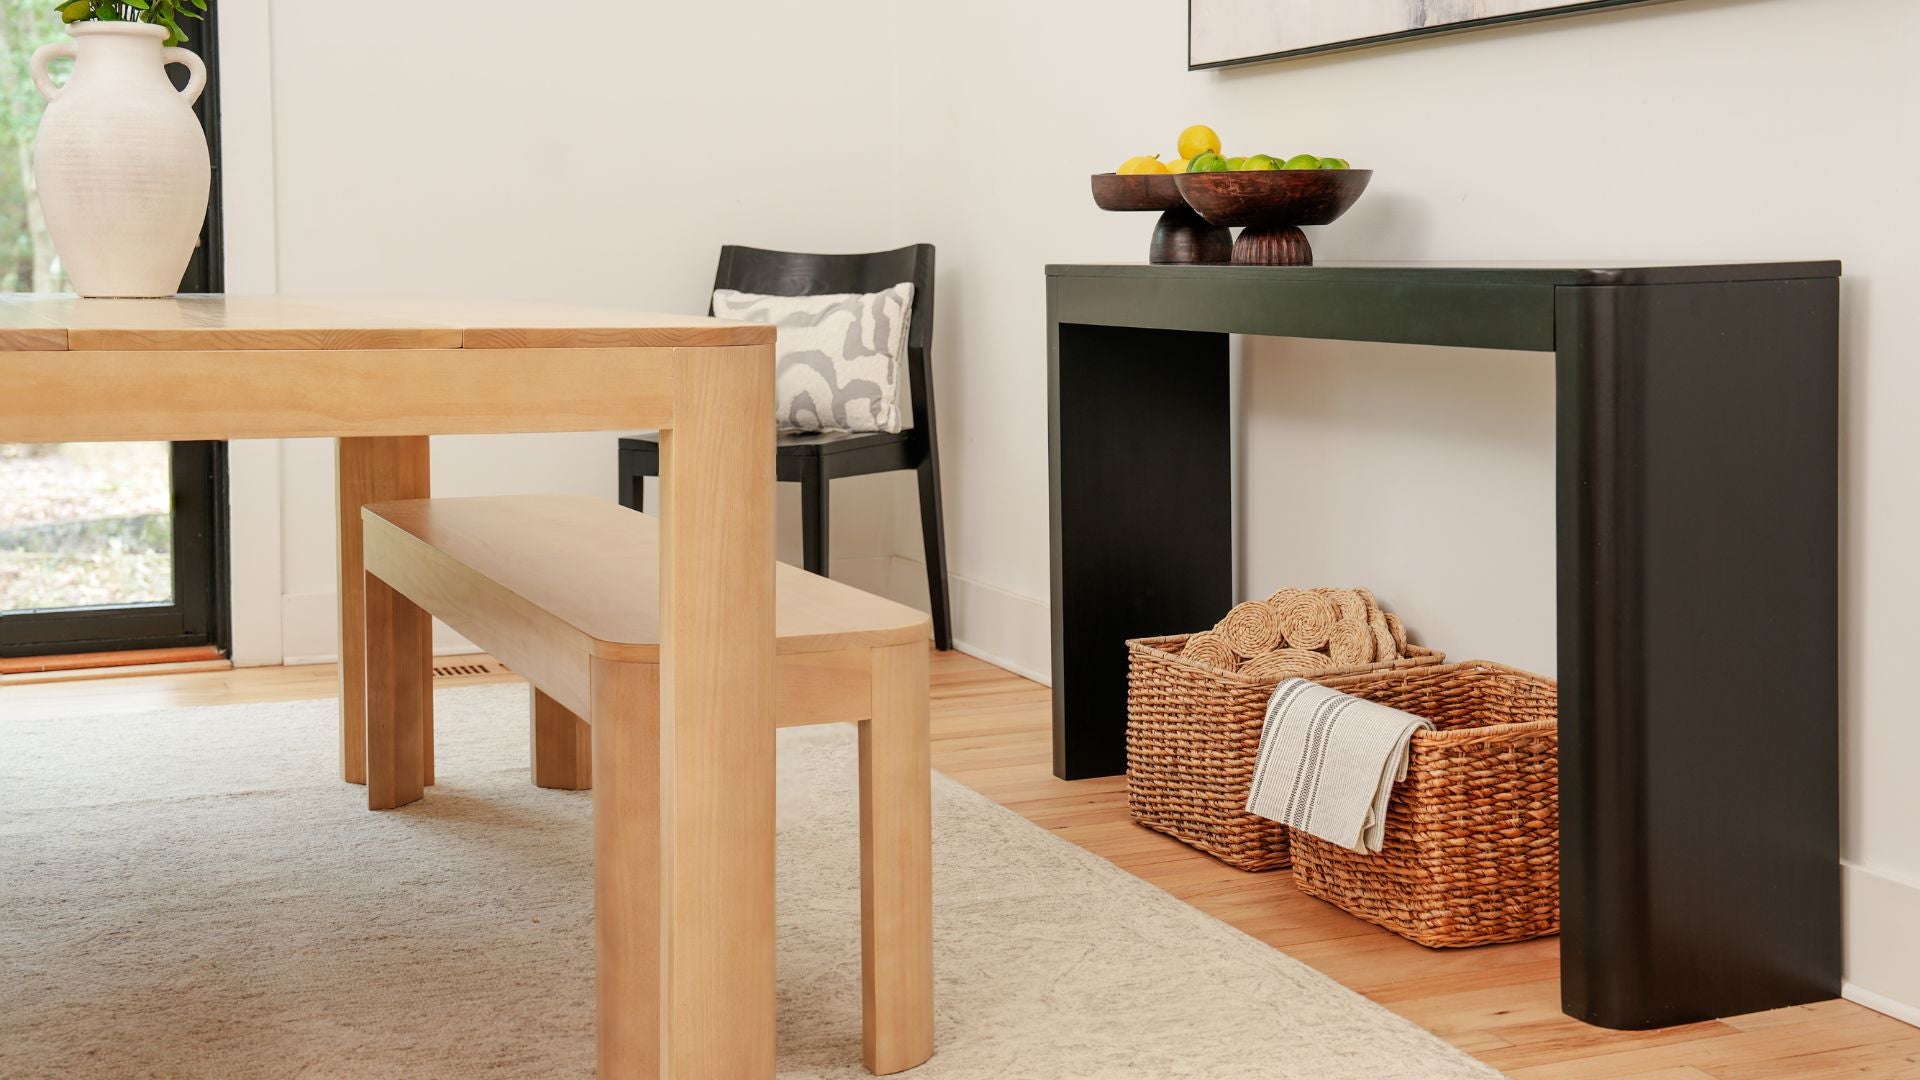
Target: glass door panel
[85,525]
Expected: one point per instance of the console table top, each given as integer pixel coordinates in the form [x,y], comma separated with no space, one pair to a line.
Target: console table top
[1472,273]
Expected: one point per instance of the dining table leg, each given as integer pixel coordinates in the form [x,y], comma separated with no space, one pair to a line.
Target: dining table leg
[371,470]
[686,959]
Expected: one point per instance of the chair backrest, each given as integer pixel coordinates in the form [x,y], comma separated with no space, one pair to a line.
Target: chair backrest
[790,273]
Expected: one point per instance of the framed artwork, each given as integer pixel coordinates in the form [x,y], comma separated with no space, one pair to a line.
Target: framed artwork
[1223,32]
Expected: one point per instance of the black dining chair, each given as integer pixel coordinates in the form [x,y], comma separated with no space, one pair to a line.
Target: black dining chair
[814,459]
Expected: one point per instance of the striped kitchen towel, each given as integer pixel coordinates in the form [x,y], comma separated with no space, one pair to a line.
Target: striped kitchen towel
[1328,762]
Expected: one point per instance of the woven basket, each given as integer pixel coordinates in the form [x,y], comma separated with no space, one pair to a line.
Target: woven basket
[1192,735]
[1472,852]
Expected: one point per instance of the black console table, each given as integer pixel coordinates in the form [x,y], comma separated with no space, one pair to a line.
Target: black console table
[1697,531]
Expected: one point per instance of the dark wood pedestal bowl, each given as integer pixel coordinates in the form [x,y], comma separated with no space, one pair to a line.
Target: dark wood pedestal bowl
[1273,206]
[1181,236]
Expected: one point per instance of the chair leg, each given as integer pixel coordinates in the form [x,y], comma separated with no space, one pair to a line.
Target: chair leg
[399,689]
[562,746]
[896,864]
[933,534]
[635,467]
[816,521]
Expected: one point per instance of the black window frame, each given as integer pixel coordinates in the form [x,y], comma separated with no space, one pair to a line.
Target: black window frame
[200,612]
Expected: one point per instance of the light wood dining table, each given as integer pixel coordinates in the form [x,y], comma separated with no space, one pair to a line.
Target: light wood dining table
[382,374]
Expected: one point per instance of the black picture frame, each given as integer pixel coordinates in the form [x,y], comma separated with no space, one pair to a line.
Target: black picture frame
[1577,7]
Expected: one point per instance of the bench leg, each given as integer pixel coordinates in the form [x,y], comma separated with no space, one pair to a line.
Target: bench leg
[562,746]
[399,696]
[896,865]
[629,873]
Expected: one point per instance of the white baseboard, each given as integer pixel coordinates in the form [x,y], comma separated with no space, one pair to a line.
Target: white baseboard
[1899,1010]
[309,630]
[1882,920]
[1003,628]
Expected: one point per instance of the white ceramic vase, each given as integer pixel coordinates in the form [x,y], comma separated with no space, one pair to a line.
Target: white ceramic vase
[121,161]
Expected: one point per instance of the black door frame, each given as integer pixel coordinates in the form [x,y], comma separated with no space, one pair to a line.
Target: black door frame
[200,612]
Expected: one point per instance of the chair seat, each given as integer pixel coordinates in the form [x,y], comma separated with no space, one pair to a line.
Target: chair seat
[593,566]
[800,443]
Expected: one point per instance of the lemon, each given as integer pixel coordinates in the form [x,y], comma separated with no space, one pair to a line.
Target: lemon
[1197,140]
[1177,165]
[1145,164]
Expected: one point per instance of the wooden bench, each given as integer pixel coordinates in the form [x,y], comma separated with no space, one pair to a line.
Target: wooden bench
[565,591]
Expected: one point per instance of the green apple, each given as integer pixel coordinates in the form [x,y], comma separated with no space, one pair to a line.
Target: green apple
[1302,161]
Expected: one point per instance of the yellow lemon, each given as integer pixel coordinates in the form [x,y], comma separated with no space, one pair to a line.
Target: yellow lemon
[1144,164]
[1177,165]
[1197,140]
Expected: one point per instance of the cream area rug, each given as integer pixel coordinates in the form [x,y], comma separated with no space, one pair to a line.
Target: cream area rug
[192,893]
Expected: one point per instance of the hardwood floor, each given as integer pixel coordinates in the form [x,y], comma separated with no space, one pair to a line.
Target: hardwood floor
[991,731]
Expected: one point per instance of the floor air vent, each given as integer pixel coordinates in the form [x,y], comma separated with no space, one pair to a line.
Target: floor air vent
[469,668]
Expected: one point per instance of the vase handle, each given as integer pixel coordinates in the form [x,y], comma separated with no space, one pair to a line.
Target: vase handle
[37,66]
[196,71]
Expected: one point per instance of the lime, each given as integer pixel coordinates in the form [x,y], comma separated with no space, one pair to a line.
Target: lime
[1302,161]
[1334,163]
[1261,163]
[1208,162]
[1235,164]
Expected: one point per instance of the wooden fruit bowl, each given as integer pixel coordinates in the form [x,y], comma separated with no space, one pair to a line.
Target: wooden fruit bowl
[1273,206]
[1180,236]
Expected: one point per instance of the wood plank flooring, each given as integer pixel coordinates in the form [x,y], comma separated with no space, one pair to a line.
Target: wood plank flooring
[991,731]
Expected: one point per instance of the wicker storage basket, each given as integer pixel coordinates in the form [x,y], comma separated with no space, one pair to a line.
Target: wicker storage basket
[1472,851]
[1192,734]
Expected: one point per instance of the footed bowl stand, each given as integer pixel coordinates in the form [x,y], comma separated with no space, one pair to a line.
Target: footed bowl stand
[1272,245]
[1182,236]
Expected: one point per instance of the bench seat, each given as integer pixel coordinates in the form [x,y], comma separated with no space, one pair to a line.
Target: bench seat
[565,591]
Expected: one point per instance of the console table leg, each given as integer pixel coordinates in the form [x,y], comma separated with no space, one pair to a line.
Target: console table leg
[1698,597]
[1140,464]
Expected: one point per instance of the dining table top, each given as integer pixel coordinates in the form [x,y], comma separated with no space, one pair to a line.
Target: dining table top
[62,323]
[250,367]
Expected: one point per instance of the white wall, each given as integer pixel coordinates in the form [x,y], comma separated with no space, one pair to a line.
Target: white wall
[475,155]
[466,155]
[1691,130]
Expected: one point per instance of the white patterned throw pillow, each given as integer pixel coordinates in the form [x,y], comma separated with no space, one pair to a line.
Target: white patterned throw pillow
[841,358]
